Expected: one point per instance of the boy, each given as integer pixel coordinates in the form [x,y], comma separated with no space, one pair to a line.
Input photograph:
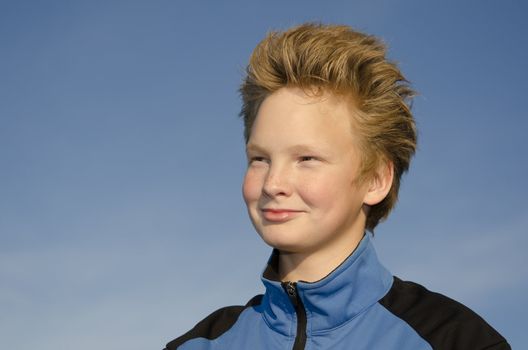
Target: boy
[329,134]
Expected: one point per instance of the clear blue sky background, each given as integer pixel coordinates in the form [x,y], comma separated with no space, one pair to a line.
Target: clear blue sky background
[121,158]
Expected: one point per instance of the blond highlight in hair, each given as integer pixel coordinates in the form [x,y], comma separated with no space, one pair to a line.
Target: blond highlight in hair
[338,59]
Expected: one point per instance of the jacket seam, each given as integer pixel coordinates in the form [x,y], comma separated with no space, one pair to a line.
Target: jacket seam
[408,324]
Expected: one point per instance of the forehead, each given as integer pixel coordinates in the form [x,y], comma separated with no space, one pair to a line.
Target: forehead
[293,115]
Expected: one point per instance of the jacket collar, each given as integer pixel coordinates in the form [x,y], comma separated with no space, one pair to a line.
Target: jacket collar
[358,283]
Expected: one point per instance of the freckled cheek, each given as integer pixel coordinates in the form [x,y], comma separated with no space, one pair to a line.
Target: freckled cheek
[313,193]
[319,193]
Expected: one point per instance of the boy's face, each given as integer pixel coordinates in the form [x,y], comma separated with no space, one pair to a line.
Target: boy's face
[300,187]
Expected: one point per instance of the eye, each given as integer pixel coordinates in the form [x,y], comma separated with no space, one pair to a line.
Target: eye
[307,158]
[258,160]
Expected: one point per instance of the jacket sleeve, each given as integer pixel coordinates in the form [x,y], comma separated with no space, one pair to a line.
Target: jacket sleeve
[503,345]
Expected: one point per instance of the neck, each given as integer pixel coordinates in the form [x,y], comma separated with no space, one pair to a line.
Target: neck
[314,266]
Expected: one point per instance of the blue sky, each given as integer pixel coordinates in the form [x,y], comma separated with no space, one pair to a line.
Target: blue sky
[121,217]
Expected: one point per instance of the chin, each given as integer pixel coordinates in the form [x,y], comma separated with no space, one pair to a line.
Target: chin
[283,241]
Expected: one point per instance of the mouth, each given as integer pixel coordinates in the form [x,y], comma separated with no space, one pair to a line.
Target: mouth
[279,215]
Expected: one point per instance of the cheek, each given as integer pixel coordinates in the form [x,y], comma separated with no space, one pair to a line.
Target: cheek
[324,192]
[317,192]
[251,187]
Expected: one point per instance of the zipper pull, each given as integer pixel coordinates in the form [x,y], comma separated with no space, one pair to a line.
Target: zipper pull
[291,290]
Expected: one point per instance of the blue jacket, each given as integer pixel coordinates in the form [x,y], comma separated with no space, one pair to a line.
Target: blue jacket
[359,306]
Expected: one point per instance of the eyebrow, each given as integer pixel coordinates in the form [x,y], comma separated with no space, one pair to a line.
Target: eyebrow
[302,148]
[252,147]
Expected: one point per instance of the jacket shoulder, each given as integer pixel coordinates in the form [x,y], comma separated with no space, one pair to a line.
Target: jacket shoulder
[214,325]
[443,322]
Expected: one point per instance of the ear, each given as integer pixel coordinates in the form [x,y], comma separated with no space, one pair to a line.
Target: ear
[380,184]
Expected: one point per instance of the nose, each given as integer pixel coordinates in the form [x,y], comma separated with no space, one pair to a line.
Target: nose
[277,182]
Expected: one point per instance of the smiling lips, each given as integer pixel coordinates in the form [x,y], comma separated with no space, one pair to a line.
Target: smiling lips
[279,215]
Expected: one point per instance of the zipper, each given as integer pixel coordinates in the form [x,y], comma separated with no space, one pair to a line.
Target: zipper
[300,337]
